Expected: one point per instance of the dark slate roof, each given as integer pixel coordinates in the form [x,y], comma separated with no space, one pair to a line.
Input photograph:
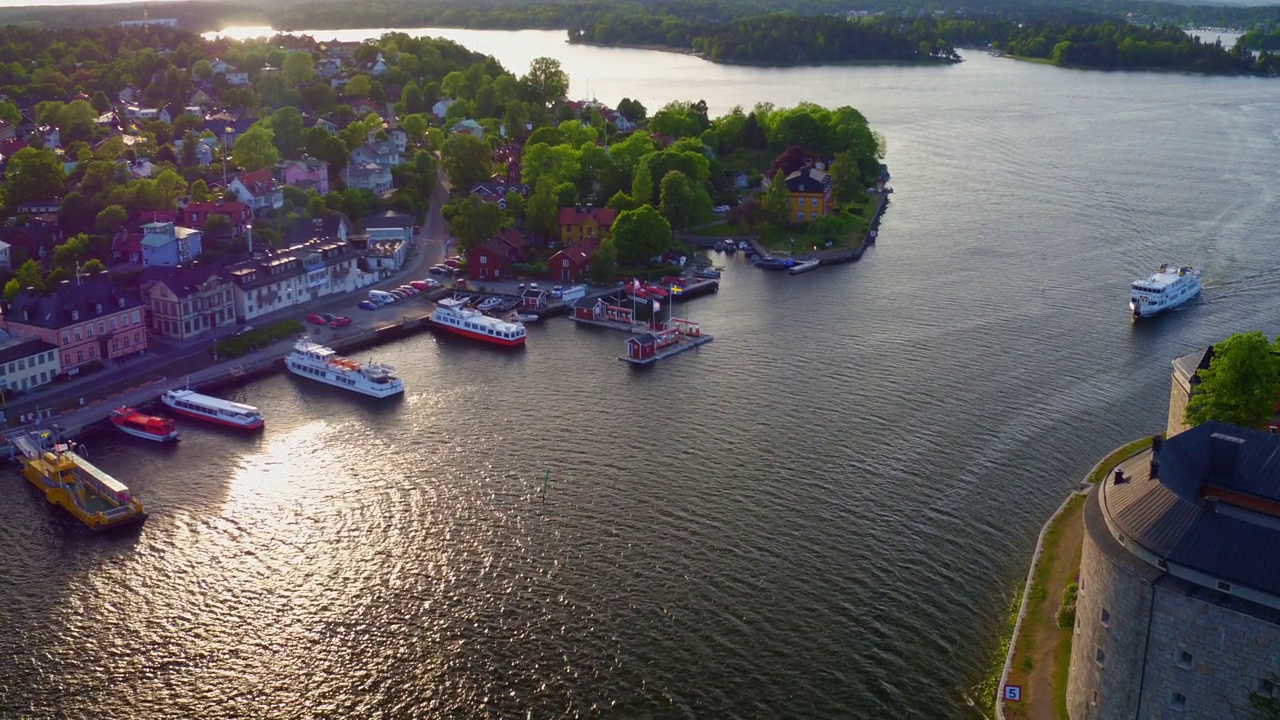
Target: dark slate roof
[388,219]
[184,280]
[536,293]
[1188,365]
[1170,517]
[304,229]
[26,349]
[84,297]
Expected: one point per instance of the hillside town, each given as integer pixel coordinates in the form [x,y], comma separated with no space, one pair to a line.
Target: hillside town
[162,188]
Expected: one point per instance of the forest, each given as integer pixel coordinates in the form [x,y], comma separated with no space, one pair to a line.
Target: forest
[1260,40]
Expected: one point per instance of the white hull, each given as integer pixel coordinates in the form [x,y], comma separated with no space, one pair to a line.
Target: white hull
[171,437]
[214,410]
[319,363]
[328,377]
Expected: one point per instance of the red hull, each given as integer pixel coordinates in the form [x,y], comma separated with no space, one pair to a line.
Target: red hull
[216,421]
[481,337]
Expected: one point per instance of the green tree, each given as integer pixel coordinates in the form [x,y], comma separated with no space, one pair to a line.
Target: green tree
[415,127]
[255,149]
[542,211]
[100,102]
[33,175]
[200,190]
[217,226]
[604,263]
[11,290]
[93,266]
[777,203]
[110,220]
[1241,383]
[546,82]
[846,178]
[286,129]
[639,235]
[467,160]
[412,97]
[299,68]
[677,199]
[475,221]
[29,275]
[359,86]
[642,185]
[203,70]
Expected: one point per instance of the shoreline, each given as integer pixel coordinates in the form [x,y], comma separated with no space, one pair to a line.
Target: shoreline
[743,63]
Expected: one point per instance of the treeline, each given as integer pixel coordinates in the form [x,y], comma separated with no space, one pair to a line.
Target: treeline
[776,39]
[1259,40]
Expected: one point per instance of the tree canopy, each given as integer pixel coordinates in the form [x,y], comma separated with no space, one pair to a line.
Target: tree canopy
[640,234]
[1241,384]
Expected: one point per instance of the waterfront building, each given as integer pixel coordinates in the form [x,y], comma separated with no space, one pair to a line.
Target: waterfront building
[571,263]
[390,225]
[196,214]
[188,301]
[578,224]
[334,226]
[283,279]
[26,364]
[809,192]
[88,319]
[1178,612]
[493,258]
[1186,377]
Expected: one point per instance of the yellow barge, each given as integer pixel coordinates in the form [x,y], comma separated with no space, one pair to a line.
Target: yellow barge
[69,481]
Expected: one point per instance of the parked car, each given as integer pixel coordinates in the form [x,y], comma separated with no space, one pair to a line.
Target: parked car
[452,264]
[367,305]
[557,292]
[241,331]
[316,319]
[329,317]
[439,270]
[340,321]
[399,294]
[533,286]
[460,283]
[720,209]
[409,289]
[421,285]
[521,287]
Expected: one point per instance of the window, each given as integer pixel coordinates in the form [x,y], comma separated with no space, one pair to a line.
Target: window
[800,216]
[813,216]
[1178,701]
[88,330]
[22,364]
[1106,618]
[136,317]
[1224,586]
[484,259]
[12,368]
[1184,660]
[815,202]
[66,338]
[75,314]
[1099,656]
[77,334]
[566,263]
[93,351]
[102,327]
[79,356]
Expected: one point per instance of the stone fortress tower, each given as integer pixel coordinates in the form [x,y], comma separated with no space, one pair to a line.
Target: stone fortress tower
[1178,614]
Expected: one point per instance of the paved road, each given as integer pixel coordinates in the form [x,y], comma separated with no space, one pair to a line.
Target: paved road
[430,248]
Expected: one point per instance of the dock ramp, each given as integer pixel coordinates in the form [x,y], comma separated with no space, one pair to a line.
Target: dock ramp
[26,445]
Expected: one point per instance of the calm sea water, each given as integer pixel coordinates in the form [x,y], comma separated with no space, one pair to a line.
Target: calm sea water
[824,513]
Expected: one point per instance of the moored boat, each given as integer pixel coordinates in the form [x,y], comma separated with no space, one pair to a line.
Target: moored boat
[454,316]
[804,266]
[315,361]
[141,425]
[69,481]
[1168,288]
[773,263]
[216,410]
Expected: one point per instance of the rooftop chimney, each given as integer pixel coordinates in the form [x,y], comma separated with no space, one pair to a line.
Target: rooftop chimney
[1224,456]
[1119,477]
[1156,443]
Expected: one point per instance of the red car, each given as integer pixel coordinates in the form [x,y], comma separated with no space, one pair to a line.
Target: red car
[340,321]
[455,264]
[315,319]
[421,285]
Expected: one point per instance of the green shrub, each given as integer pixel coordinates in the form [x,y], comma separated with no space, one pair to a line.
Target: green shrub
[1067,610]
[259,338]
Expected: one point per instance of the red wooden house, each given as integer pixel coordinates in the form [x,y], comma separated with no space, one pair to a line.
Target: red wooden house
[196,214]
[493,258]
[571,263]
[647,344]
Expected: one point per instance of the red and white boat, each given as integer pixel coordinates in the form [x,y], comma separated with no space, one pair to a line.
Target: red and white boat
[213,409]
[454,316]
[148,427]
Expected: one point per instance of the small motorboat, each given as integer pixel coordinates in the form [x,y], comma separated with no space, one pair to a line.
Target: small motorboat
[141,425]
[524,317]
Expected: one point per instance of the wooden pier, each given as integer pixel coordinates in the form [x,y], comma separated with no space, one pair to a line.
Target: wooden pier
[634,328]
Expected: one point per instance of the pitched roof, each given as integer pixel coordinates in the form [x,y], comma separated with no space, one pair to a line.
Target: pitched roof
[183,280]
[576,216]
[91,297]
[388,219]
[579,253]
[324,227]
[258,182]
[808,180]
[1188,365]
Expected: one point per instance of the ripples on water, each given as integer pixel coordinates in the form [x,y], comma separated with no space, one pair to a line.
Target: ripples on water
[823,513]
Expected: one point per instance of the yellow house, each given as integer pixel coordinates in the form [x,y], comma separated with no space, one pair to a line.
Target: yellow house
[579,224]
[809,192]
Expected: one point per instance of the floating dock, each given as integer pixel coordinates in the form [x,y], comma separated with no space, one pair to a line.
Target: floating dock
[69,481]
[684,343]
[635,328]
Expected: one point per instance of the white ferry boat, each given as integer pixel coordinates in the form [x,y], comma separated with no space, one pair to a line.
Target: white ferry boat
[454,316]
[1167,289]
[215,410]
[318,362]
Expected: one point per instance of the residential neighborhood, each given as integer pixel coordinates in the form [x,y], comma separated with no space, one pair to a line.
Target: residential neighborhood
[220,182]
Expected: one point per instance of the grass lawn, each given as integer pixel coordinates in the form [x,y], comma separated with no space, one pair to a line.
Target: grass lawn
[719,229]
[848,229]
[1042,654]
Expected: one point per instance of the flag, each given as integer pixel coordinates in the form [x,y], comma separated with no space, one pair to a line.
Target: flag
[676,289]
[635,283]
[657,307]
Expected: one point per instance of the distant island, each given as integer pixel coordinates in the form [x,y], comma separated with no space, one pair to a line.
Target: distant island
[1092,34]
